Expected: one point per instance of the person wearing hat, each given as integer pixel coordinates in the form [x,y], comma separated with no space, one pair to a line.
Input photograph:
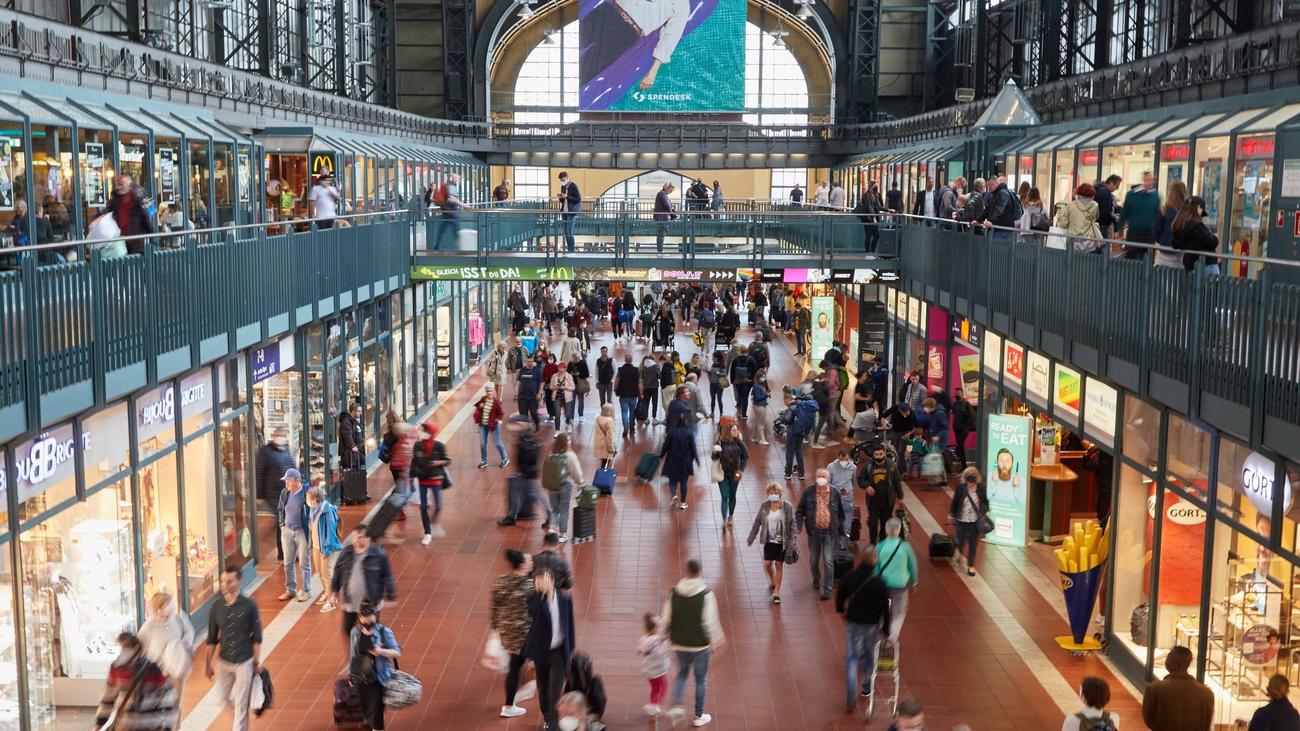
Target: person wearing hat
[294,521]
[429,468]
[323,201]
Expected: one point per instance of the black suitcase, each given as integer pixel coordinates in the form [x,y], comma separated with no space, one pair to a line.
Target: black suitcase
[643,409]
[584,525]
[354,487]
[647,466]
[855,528]
[347,705]
[941,546]
[843,561]
[388,511]
[951,462]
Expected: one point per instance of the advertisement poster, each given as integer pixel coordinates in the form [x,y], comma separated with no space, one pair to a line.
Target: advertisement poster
[1069,389]
[1038,372]
[1100,408]
[1014,365]
[245,178]
[661,56]
[6,175]
[992,354]
[1211,183]
[1008,478]
[166,175]
[53,179]
[93,175]
[823,324]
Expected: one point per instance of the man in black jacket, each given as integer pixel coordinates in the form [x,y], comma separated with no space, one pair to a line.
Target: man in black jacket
[1002,210]
[963,422]
[662,215]
[741,373]
[523,490]
[549,644]
[627,386]
[884,487]
[604,375]
[821,515]
[518,309]
[273,460]
[973,211]
[894,198]
[1106,205]
[863,599]
[570,202]
[376,585]
[352,450]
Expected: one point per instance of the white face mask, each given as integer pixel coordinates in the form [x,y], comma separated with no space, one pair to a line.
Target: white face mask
[845,462]
[774,498]
[281,441]
[821,481]
[569,723]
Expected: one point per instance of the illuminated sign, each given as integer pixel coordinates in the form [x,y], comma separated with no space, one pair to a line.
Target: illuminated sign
[322,163]
[1257,476]
[1255,146]
[1174,152]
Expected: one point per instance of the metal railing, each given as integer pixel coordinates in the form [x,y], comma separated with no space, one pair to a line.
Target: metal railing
[76,329]
[1234,338]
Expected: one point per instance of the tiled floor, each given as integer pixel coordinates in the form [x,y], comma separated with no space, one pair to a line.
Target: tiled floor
[782,667]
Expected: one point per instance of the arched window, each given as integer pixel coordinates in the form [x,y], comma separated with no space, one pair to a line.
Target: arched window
[546,88]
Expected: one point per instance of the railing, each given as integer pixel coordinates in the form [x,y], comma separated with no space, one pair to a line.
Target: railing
[64,326]
[1232,338]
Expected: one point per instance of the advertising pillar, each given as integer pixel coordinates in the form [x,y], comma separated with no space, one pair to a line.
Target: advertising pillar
[1007,460]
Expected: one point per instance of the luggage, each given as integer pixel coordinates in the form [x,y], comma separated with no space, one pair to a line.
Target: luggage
[941,546]
[388,511]
[642,409]
[844,561]
[647,467]
[588,495]
[951,463]
[402,690]
[354,487]
[517,495]
[855,528]
[604,480]
[467,240]
[347,705]
[584,524]
[932,466]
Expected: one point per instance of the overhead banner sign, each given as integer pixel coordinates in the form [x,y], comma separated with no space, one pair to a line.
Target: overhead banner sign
[426,273]
[654,274]
[827,276]
[1008,478]
[661,56]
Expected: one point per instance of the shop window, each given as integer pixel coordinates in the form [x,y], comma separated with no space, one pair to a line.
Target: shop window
[196,401]
[1064,183]
[8,647]
[79,593]
[1141,432]
[315,337]
[1187,461]
[98,169]
[1090,165]
[155,414]
[232,383]
[1252,181]
[784,180]
[160,527]
[170,176]
[47,474]
[108,446]
[223,182]
[1173,163]
[1211,178]
[200,184]
[131,152]
[1131,598]
[12,178]
[1129,162]
[201,529]
[236,535]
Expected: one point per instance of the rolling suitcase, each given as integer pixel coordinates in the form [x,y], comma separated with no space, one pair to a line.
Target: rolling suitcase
[584,525]
[354,487]
[388,511]
[604,480]
[855,528]
[347,705]
[941,546]
[844,561]
[647,467]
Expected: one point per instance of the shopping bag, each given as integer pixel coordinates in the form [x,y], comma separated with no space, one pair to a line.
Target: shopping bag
[495,657]
[1056,238]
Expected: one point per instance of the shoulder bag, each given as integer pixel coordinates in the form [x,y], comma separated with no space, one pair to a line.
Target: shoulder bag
[982,520]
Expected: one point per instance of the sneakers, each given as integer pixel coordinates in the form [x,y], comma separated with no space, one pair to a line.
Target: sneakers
[652,710]
[327,608]
[505,462]
[970,571]
[512,711]
[763,442]
[681,506]
[324,597]
[285,596]
[788,477]
[303,596]
[564,538]
[426,540]
[702,720]
[482,465]
[437,531]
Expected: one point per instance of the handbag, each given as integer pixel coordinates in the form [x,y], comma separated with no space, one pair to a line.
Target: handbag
[584,386]
[715,472]
[791,554]
[495,657]
[983,523]
[724,382]
[402,690]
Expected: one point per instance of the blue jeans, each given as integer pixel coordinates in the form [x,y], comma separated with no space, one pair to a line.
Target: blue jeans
[424,505]
[728,488]
[449,222]
[798,341]
[674,484]
[568,233]
[483,432]
[295,550]
[793,451]
[561,502]
[859,658]
[627,405]
[686,662]
[821,558]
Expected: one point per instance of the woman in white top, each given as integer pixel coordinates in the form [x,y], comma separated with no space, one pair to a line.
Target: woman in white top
[167,637]
[775,525]
[1095,694]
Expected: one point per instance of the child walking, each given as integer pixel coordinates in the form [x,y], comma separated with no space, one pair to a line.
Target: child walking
[653,648]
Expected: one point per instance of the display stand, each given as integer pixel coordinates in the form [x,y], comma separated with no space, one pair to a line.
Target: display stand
[1233,643]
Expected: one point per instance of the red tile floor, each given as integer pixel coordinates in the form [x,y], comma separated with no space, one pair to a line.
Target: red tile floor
[782,667]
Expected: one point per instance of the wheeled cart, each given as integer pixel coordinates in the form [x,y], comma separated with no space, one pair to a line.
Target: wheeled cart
[887,666]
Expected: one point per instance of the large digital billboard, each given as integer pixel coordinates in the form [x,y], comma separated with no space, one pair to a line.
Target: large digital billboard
[661,55]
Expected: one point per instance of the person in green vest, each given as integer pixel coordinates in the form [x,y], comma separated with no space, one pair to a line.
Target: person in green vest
[1139,217]
[690,617]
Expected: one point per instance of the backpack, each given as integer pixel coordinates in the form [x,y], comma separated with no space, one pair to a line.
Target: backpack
[1017,208]
[1104,723]
[742,374]
[553,471]
[441,196]
[588,496]
[1038,221]
[805,416]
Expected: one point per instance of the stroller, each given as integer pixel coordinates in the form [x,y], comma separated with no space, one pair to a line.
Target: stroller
[582,678]
[861,451]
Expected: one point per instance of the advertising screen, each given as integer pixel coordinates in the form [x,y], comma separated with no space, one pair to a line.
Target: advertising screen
[661,55]
[1008,478]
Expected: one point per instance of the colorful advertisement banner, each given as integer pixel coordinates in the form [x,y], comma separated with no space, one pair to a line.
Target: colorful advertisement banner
[661,56]
[1068,393]
[1013,364]
[1008,478]
[823,325]
[426,272]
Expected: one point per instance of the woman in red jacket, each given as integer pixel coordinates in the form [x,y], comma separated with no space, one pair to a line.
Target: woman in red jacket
[488,414]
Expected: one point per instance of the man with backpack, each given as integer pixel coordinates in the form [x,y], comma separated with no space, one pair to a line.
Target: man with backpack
[803,416]
[449,203]
[707,318]
[1004,209]
[741,374]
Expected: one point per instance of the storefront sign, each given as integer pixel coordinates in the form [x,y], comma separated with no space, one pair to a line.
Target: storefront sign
[934,365]
[159,410]
[93,175]
[1101,406]
[966,331]
[6,175]
[992,353]
[424,272]
[166,175]
[1256,147]
[322,163]
[1068,392]
[266,362]
[914,312]
[1257,476]
[1177,510]
[1175,151]
[1008,479]
[823,323]
[891,296]
[1037,378]
[1013,365]
[131,154]
[46,461]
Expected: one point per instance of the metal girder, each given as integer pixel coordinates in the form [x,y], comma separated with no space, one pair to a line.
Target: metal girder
[241,36]
[1070,42]
[941,41]
[322,38]
[119,18]
[864,59]
[457,58]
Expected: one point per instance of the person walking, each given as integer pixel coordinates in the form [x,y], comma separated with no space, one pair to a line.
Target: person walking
[627,386]
[899,572]
[488,415]
[235,641]
[964,421]
[843,472]
[1178,702]
[511,621]
[717,374]
[372,648]
[525,495]
[1278,714]
[563,389]
[580,372]
[1095,694]
[775,527]
[742,372]
[803,416]
[1190,234]
[679,457]
[647,409]
[654,649]
[691,618]
[497,367]
[822,516]
[604,445]
[167,637]
[560,473]
[429,470]
[138,695]
[323,525]
[362,573]
[295,536]
[273,462]
[1139,217]
[449,204]
[529,389]
[970,503]
[730,457]
[550,641]
[760,396]
[863,599]
[884,487]
[396,449]
[605,376]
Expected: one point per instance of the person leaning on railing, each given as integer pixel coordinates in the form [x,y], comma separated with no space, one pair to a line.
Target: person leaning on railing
[1079,218]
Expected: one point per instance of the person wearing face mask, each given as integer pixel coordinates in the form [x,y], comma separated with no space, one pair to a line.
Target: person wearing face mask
[822,515]
[572,710]
[168,639]
[372,649]
[730,457]
[842,472]
[884,488]
[775,527]
[273,461]
[970,502]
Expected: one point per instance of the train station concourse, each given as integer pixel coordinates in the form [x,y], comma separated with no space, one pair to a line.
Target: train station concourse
[627,364]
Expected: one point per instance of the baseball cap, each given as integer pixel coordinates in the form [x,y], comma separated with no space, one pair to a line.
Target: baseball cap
[291,474]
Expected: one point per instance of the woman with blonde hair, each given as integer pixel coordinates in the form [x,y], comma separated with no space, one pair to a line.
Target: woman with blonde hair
[604,444]
[167,637]
[1167,255]
[776,527]
[970,503]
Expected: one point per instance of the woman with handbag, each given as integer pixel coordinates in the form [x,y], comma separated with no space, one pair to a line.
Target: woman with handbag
[970,512]
[167,637]
[775,526]
[730,457]
[370,663]
[582,382]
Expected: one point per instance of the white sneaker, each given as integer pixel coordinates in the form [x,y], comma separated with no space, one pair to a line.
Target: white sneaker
[426,539]
[763,442]
[512,711]
[437,531]
[681,506]
[564,538]
[702,720]
[652,710]
[526,691]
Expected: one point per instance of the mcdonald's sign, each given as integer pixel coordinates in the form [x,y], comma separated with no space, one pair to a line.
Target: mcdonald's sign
[322,163]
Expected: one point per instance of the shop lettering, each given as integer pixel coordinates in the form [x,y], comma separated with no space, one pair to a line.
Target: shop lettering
[1179,511]
[46,456]
[1007,433]
[164,409]
[1257,477]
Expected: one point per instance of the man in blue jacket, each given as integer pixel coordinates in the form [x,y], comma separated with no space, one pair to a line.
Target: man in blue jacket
[803,414]
[294,524]
[570,202]
[1106,205]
